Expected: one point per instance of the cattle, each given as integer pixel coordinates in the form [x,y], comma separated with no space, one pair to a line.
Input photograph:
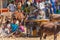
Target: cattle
[48,28]
[55,17]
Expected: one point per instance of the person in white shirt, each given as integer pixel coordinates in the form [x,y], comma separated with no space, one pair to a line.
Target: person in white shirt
[12,7]
[4,30]
[41,5]
[29,3]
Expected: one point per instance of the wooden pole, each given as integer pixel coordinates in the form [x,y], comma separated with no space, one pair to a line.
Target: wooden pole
[1,6]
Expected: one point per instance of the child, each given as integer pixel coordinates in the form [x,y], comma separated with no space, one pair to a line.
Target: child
[14,26]
[21,28]
[4,31]
[8,26]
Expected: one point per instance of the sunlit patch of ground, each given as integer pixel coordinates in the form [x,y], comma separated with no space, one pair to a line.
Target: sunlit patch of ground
[32,38]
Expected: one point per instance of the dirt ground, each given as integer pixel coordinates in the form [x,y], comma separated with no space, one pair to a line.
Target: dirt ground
[36,38]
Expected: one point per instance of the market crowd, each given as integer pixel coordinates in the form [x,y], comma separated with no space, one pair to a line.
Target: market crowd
[28,10]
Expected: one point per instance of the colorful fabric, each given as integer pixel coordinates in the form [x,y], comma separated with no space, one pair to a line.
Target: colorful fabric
[22,28]
[23,7]
[14,27]
[53,5]
[58,11]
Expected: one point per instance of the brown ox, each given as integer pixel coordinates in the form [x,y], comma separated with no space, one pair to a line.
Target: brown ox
[56,17]
[48,28]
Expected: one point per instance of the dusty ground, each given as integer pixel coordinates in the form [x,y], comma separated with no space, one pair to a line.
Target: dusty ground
[48,38]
